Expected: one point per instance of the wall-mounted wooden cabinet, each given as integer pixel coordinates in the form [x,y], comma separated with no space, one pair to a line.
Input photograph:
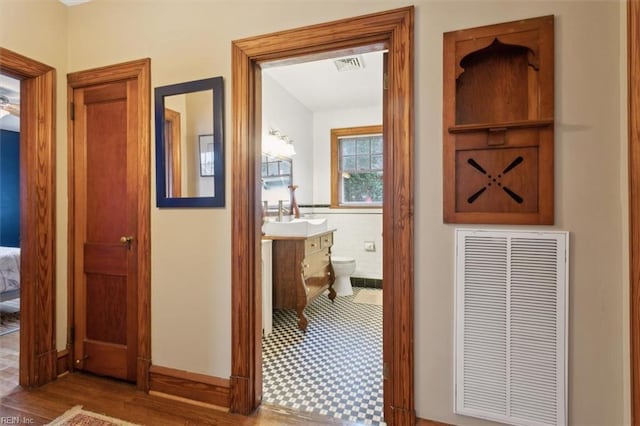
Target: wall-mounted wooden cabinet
[498,123]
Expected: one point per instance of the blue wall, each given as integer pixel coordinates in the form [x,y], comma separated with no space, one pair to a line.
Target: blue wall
[9,188]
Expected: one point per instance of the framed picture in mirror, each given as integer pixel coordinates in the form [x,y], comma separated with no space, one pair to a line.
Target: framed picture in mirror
[205,144]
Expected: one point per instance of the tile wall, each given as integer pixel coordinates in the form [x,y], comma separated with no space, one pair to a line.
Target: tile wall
[353,228]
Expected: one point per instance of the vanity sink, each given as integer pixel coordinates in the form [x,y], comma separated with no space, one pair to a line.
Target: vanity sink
[295,227]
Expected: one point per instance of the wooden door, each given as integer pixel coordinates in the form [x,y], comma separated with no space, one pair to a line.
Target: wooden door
[105,247]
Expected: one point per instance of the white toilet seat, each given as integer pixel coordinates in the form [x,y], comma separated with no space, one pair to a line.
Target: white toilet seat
[342,259]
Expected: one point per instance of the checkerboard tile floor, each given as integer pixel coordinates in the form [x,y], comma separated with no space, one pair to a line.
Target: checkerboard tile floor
[335,368]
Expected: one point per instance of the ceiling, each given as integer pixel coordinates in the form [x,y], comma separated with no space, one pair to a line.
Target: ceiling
[321,87]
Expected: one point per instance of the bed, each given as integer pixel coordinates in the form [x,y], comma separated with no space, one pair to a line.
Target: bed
[9,273]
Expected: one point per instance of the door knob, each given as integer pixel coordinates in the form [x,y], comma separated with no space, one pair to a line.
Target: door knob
[126,240]
[78,361]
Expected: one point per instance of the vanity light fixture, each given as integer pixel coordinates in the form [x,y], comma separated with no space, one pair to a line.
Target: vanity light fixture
[278,145]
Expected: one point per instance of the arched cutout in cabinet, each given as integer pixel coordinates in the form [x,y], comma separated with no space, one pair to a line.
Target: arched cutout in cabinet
[498,123]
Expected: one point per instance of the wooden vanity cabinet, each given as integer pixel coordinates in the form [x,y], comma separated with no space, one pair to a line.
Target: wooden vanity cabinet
[301,272]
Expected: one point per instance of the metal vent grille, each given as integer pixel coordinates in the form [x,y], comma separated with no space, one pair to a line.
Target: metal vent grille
[349,64]
[511,326]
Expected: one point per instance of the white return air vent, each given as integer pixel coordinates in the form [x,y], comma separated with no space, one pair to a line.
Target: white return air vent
[511,326]
[350,63]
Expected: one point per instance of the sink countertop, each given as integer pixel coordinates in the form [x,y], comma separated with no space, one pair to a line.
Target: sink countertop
[286,237]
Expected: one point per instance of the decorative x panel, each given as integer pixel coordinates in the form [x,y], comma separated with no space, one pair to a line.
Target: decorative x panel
[497,180]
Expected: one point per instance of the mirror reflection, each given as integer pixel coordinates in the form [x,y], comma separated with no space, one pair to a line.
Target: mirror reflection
[189,153]
[187,119]
[276,178]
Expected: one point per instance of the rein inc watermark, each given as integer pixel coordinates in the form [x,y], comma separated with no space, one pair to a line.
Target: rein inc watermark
[16,420]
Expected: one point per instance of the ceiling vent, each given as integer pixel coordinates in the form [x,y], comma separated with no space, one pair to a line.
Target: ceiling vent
[349,64]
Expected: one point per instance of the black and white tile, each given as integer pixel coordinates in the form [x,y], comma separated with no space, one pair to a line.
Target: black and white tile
[332,369]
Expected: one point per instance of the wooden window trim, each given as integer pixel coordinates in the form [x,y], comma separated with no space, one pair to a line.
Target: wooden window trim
[336,134]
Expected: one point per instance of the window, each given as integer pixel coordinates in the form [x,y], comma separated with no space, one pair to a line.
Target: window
[356,166]
[276,178]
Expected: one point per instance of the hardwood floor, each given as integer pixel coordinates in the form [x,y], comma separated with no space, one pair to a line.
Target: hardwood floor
[9,354]
[124,401]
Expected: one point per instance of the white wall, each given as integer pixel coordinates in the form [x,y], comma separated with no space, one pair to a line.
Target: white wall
[285,113]
[353,228]
[191,255]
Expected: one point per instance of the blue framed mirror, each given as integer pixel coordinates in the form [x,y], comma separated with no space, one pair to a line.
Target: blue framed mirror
[189,120]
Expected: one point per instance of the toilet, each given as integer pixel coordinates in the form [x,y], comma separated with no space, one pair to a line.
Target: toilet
[343,267]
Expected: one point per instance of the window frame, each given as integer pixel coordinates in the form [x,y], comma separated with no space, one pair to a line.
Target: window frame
[336,187]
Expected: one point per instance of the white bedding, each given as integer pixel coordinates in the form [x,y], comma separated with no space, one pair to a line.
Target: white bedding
[9,269]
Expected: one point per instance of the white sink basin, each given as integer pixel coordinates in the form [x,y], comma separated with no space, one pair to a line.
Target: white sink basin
[295,227]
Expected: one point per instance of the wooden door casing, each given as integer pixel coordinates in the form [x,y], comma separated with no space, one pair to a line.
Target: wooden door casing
[135,77]
[392,30]
[37,364]
[173,153]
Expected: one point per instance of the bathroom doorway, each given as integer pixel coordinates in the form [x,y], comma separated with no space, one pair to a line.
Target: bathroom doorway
[392,30]
[322,132]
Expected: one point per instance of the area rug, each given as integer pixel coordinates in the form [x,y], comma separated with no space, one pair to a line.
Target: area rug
[9,323]
[370,297]
[9,317]
[76,416]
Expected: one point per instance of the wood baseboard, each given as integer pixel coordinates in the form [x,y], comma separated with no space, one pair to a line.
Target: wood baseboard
[193,386]
[62,363]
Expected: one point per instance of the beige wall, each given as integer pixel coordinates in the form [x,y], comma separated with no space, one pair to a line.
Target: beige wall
[624,218]
[38,30]
[191,258]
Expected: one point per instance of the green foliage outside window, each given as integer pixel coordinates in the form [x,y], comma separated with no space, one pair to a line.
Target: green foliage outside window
[361,169]
[362,187]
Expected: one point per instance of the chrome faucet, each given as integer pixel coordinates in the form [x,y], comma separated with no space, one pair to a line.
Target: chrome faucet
[281,210]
